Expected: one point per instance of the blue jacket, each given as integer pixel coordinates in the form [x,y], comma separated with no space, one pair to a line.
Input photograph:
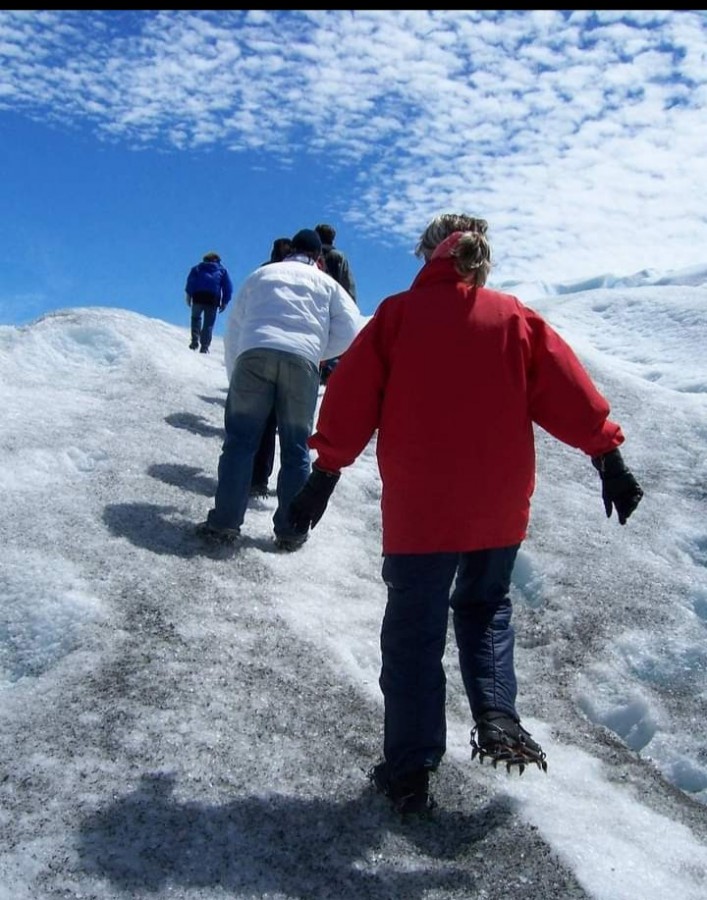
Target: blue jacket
[209,280]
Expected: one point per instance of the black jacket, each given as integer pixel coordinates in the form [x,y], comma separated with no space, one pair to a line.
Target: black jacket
[338,267]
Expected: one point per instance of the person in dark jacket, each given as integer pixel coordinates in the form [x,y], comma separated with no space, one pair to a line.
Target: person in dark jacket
[208,292]
[337,265]
[456,453]
[281,248]
[334,263]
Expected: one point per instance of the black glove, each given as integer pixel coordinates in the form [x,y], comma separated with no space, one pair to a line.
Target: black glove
[620,489]
[307,507]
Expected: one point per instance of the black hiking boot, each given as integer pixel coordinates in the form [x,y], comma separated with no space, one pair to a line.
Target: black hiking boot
[408,794]
[504,740]
[218,535]
[292,543]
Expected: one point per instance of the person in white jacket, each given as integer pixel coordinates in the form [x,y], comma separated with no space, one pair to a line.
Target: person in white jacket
[285,319]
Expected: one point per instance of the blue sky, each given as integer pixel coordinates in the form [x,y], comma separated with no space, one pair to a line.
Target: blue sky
[133,142]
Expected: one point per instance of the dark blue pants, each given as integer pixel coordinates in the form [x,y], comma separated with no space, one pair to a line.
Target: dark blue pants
[421,590]
[203,318]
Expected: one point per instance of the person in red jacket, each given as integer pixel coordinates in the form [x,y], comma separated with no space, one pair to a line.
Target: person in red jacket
[493,369]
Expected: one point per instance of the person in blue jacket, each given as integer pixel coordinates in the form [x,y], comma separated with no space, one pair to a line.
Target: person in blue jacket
[208,292]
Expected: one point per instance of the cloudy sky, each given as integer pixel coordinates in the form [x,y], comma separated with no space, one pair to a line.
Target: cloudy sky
[183,723]
[134,142]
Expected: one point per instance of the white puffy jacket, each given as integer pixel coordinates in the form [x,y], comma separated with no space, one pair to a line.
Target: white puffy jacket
[292,306]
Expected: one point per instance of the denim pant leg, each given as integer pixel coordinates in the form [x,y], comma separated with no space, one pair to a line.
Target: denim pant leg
[265,455]
[482,626]
[197,313]
[412,678]
[296,402]
[251,395]
[207,330]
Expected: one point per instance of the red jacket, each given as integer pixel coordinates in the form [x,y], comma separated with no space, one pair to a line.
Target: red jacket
[454,377]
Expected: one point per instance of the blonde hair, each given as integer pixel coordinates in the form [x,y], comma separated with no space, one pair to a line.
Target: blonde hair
[472,251]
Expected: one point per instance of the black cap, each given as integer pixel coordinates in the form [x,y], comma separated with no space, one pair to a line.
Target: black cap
[307,241]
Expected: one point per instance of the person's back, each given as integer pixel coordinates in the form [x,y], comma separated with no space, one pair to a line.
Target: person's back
[206,282]
[208,291]
[336,262]
[294,307]
[285,317]
[337,265]
[492,367]
[281,249]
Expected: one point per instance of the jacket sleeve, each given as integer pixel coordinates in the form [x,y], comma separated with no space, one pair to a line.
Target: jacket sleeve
[563,399]
[231,337]
[351,406]
[347,279]
[345,322]
[226,288]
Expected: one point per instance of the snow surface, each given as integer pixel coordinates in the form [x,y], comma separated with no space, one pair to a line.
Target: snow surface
[182,723]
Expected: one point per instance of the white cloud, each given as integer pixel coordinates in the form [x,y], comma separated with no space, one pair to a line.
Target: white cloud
[587,124]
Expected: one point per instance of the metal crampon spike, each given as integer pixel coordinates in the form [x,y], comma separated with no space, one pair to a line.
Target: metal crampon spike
[540,763]
[519,758]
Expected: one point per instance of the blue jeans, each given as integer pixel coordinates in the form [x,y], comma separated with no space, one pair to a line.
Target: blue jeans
[264,460]
[206,313]
[421,590]
[264,380]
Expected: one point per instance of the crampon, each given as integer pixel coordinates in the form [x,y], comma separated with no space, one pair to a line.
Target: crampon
[503,740]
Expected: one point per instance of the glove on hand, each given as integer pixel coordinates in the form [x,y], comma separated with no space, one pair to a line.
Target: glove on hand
[307,507]
[187,300]
[620,489]
[221,307]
